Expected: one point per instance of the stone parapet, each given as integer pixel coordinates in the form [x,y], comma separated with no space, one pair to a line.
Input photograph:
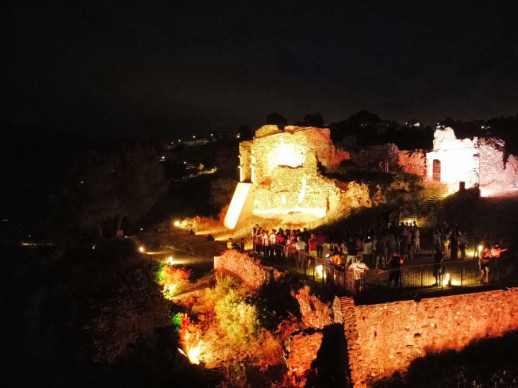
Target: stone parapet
[248,269]
[386,338]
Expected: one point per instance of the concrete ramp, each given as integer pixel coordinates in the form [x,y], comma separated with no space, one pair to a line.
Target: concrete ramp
[240,206]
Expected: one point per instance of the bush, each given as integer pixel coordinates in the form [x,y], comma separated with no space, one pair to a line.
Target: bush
[133,313]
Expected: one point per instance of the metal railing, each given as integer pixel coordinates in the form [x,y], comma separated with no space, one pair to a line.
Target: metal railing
[435,277]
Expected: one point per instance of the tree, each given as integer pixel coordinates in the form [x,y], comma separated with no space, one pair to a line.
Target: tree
[276,119]
[221,191]
[245,132]
[139,181]
[124,185]
[314,120]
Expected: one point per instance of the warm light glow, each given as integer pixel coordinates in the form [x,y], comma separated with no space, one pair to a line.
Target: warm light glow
[141,249]
[194,354]
[177,223]
[237,204]
[320,269]
[409,220]
[170,260]
[170,290]
[286,155]
[446,279]
[480,247]
[457,160]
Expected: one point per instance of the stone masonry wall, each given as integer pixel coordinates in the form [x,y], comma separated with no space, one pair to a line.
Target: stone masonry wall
[495,176]
[245,161]
[412,162]
[248,269]
[377,157]
[386,338]
[272,147]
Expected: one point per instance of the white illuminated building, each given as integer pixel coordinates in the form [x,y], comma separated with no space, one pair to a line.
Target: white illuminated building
[476,162]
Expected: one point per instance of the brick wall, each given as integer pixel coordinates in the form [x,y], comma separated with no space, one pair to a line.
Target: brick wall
[386,338]
[413,162]
[248,269]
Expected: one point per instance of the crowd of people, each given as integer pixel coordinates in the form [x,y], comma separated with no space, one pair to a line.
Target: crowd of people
[451,243]
[379,247]
[376,248]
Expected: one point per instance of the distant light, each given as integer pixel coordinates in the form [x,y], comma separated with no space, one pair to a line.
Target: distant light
[179,141]
[320,270]
[480,247]
[141,249]
[194,137]
[184,162]
[446,280]
[141,228]
[238,135]
[170,260]
[212,134]
[177,223]
[162,158]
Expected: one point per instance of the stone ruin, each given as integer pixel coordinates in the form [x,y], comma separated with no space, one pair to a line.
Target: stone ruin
[281,172]
[281,179]
[478,162]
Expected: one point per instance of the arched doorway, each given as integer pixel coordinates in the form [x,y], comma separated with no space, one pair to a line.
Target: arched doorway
[436,171]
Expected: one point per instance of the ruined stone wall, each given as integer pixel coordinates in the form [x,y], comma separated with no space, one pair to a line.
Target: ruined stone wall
[459,159]
[245,161]
[496,176]
[272,147]
[248,269]
[302,351]
[491,161]
[388,337]
[376,157]
[291,190]
[284,168]
[412,162]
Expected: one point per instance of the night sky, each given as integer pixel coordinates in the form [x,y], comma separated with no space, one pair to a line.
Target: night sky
[106,67]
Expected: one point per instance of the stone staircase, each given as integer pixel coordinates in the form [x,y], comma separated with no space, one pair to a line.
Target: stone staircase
[427,206]
[421,210]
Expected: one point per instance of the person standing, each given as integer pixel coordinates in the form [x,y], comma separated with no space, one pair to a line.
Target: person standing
[381,255]
[367,250]
[417,239]
[273,240]
[312,245]
[454,250]
[359,268]
[437,264]
[394,265]
[266,243]
[351,251]
[483,263]
[463,242]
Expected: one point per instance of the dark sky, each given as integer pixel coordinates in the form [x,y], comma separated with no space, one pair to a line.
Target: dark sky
[174,66]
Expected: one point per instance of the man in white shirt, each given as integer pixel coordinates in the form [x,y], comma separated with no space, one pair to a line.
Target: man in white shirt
[359,269]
